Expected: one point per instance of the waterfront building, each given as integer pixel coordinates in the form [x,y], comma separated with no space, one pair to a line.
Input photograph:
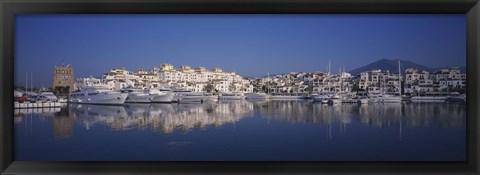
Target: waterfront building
[443,80]
[63,80]
[197,79]
[416,81]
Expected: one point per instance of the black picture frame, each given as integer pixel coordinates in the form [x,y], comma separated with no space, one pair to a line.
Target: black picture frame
[9,8]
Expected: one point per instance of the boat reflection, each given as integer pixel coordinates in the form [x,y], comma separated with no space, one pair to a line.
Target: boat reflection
[161,117]
[445,115]
[168,118]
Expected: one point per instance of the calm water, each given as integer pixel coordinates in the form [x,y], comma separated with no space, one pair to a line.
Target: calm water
[244,131]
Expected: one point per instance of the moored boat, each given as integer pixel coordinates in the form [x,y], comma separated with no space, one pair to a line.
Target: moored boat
[161,95]
[386,98]
[432,97]
[288,97]
[192,97]
[97,95]
[231,96]
[457,97]
[363,100]
[136,95]
[335,99]
[210,97]
[257,95]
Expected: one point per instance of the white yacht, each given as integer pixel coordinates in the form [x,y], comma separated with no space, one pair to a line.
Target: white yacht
[335,99]
[257,95]
[210,97]
[231,96]
[430,97]
[178,93]
[181,95]
[456,97]
[321,98]
[288,97]
[374,98]
[387,98]
[325,100]
[161,95]
[47,96]
[192,97]
[97,95]
[363,100]
[136,95]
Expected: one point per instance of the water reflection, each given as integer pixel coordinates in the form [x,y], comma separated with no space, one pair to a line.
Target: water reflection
[448,115]
[167,118]
[161,117]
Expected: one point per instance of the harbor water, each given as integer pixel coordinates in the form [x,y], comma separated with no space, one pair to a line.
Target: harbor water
[243,130]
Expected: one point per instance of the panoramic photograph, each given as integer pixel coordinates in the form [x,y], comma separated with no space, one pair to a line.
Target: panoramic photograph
[240,87]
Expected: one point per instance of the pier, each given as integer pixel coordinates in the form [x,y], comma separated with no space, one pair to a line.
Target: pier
[18,105]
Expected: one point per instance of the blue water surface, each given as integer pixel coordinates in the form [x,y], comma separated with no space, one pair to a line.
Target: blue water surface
[243,131]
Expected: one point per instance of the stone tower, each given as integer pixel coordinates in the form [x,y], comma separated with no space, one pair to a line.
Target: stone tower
[63,81]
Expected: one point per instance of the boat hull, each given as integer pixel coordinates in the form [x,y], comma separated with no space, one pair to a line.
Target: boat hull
[138,98]
[392,100]
[337,101]
[104,99]
[163,98]
[439,99]
[275,97]
[257,96]
[190,99]
[231,97]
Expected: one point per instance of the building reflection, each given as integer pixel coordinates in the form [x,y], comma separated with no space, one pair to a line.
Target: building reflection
[446,115]
[165,118]
[63,124]
[168,118]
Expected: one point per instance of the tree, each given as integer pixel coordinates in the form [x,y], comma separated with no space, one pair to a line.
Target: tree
[209,87]
[232,87]
[356,88]
[309,89]
[264,88]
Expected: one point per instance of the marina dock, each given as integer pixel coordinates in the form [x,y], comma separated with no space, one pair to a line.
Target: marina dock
[18,105]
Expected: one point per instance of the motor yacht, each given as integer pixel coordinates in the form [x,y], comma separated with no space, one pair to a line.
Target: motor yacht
[46,96]
[321,98]
[97,95]
[192,97]
[288,97]
[363,100]
[137,95]
[257,95]
[456,97]
[231,96]
[161,95]
[430,97]
[335,99]
[210,97]
[387,98]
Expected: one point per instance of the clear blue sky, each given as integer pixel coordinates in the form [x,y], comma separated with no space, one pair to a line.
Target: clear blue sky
[251,45]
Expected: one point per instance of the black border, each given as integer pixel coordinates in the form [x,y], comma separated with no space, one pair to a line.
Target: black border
[8,8]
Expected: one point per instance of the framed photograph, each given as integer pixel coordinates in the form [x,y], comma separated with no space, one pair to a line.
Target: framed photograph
[259,87]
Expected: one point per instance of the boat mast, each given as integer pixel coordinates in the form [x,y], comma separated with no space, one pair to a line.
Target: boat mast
[26,82]
[328,67]
[31,82]
[328,76]
[341,80]
[268,83]
[399,80]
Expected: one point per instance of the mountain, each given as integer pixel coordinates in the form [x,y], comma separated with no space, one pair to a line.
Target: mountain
[392,66]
